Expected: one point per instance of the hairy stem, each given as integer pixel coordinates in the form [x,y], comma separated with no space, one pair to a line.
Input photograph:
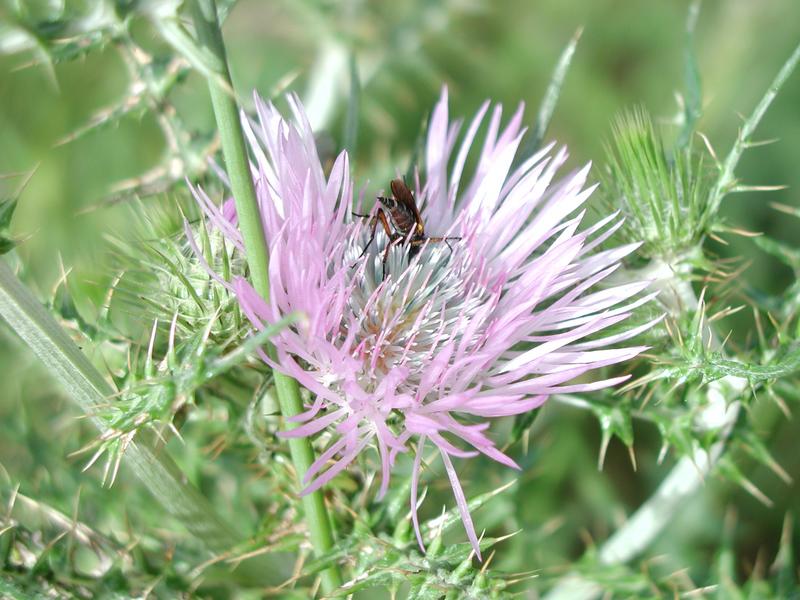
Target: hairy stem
[238,168]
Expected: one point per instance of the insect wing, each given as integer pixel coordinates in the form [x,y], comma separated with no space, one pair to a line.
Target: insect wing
[404,196]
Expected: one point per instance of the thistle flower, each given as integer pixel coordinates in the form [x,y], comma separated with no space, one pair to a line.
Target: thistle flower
[433,344]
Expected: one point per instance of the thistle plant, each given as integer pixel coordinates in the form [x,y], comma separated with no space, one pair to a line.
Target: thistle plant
[399,348]
[313,339]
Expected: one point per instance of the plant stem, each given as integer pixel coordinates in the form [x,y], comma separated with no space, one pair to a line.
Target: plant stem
[726,180]
[238,168]
[719,413]
[686,477]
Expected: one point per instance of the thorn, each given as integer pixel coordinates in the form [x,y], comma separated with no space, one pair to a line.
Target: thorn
[710,149]
[105,472]
[781,472]
[758,188]
[717,239]
[773,321]
[648,397]
[702,298]
[12,500]
[148,365]
[75,508]
[601,458]
[283,83]
[745,233]
[632,456]
[726,312]
[789,210]
[62,279]
[487,562]
[725,341]
[158,432]
[207,332]
[586,537]
[786,541]
[662,453]
[751,488]
[94,458]
[171,343]
[176,433]
[680,335]
[668,328]
[756,144]
[780,402]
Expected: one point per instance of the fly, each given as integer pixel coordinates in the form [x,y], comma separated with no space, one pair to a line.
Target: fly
[401,220]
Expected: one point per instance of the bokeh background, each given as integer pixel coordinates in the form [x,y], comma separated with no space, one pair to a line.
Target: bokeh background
[630,53]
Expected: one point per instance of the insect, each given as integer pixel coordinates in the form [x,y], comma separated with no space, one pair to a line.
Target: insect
[401,220]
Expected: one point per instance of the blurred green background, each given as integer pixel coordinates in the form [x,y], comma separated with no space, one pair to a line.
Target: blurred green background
[630,53]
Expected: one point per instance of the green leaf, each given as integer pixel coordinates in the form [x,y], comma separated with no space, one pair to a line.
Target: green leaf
[728,469]
[111,115]
[522,423]
[693,101]
[614,422]
[452,516]
[549,101]
[787,364]
[676,432]
[351,117]
[201,57]
[786,254]
[756,448]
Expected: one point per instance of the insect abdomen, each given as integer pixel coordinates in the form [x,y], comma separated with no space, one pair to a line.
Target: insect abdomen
[402,218]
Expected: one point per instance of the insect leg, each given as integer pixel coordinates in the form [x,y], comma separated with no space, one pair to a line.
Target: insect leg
[393,242]
[380,217]
[446,240]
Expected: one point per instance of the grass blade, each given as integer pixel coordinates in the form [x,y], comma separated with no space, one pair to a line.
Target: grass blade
[548,105]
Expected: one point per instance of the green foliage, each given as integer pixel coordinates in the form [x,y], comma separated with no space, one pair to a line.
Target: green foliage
[663,195]
[172,339]
[46,553]
[197,350]
[549,101]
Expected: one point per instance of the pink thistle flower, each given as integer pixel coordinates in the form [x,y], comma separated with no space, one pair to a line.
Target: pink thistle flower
[487,326]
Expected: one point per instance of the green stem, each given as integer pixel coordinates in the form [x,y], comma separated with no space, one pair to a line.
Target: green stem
[238,168]
[726,180]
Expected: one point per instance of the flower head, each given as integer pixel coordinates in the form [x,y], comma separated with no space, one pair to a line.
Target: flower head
[430,345]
